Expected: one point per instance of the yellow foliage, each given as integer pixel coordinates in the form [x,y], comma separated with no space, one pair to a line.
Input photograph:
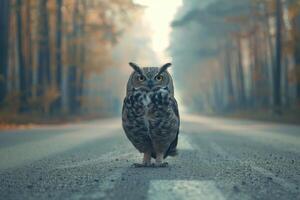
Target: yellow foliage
[50,95]
[12,101]
[294,10]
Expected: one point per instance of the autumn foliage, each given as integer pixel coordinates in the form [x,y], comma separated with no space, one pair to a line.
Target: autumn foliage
[49,49]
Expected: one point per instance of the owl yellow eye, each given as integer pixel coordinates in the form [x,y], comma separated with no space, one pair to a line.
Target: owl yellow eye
[159,78]
[141,78]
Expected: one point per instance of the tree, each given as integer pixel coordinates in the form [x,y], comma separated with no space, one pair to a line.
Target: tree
[4,27]
[294,14]
[255,75]
[48,62]
[277,70]
[21,55]
[58,52]
[43,48]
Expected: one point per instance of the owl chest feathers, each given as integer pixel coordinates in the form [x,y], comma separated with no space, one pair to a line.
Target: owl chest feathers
[146,102]
[149,114]
[147,108]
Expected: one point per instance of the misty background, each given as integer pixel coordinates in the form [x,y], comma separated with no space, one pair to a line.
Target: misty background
[70,58]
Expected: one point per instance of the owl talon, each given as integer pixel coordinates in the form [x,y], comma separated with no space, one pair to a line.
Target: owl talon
[140,165]
[157,165]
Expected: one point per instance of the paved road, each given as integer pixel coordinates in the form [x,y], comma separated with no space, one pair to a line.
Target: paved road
[219,159]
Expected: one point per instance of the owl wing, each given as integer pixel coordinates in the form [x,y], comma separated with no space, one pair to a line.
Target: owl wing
[172,148]
[134,124]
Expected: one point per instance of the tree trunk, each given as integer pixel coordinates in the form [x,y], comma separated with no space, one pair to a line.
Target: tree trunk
[4,27]
[28,47]
[228,77]
[241,81]
[269,54]
[80,74]
[20,49]
[277,70]
[44,50]
[296,30]
[72,69]
[59,71]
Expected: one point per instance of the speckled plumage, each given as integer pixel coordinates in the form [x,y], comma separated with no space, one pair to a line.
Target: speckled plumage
[150,113]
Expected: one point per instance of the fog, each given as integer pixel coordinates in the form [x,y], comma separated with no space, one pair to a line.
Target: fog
[71,57]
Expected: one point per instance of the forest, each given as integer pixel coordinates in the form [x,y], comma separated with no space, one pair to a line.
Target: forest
[239,54]
[70,57]
[50,51]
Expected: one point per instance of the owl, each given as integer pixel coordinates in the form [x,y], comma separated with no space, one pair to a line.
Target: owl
[150,116]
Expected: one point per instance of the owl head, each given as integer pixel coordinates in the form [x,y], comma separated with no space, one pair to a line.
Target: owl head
[150,78]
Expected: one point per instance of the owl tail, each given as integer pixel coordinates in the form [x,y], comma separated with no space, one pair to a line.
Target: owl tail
[172,153]
[172,150]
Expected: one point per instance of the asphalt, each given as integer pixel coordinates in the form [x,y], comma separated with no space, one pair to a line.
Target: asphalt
[218,159]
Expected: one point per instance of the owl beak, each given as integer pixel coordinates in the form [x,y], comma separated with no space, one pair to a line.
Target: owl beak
[150,84]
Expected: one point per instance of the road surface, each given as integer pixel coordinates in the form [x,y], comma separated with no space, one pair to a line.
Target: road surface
[218,159]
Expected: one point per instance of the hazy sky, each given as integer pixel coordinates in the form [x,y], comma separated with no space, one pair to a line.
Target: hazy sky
[159,14]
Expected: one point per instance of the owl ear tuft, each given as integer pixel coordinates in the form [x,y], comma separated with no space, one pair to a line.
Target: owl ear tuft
[136,68]
[164,68]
